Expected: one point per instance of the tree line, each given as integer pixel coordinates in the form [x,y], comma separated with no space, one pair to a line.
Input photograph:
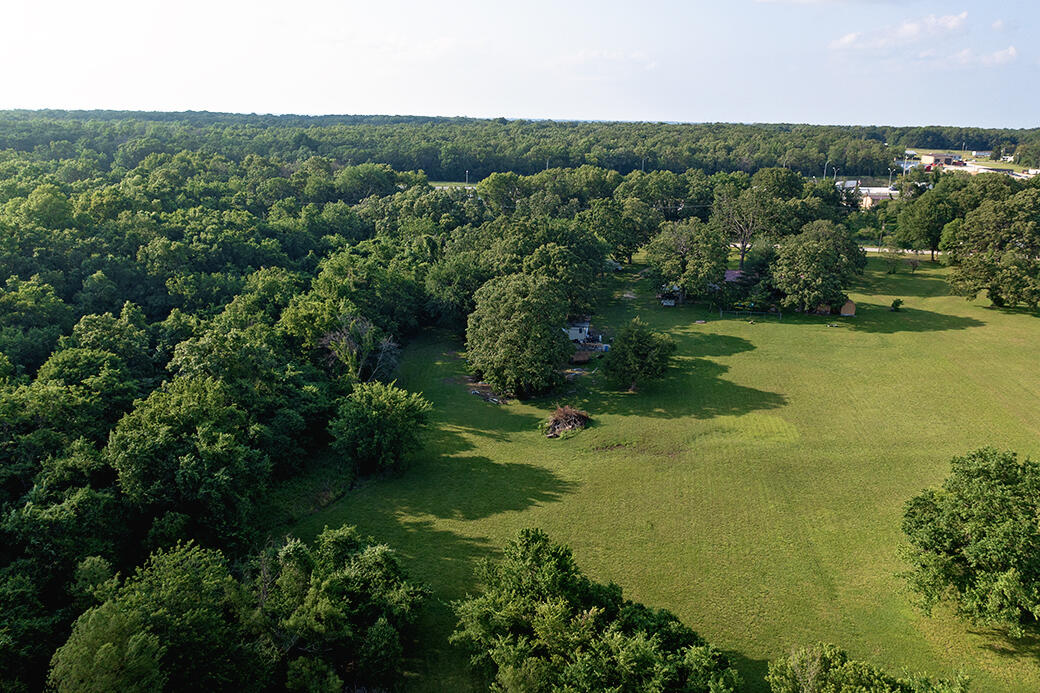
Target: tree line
[446,148]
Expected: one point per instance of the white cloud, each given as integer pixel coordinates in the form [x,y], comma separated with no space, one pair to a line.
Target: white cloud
[998,25]
[910,32]
[1000,57]
[846,41]
[967,57]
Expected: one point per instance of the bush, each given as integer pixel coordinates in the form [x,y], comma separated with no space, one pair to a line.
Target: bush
[541,624]
[377,425]
[896,304]
[638,354]
[827,668]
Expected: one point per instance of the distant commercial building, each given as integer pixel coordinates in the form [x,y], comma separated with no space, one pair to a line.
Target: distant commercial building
[944,159]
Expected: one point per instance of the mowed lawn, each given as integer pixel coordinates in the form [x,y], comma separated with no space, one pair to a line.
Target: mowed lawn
[756,492]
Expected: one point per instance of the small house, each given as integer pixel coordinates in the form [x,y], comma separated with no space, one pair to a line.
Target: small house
[848,310]
[578,330]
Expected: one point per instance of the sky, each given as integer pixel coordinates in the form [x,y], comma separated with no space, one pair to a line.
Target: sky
[869,62]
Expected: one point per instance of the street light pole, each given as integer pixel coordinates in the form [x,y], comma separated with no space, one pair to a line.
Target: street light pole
[825,168]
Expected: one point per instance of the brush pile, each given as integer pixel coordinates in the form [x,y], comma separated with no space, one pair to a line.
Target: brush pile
[566,418]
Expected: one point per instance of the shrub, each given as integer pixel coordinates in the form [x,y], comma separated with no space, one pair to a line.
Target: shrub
[541,624]
[377,425]
[827,668]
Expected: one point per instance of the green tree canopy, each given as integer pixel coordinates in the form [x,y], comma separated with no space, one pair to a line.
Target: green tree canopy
[815,267]
[996,249]
[828,669]
[974,541]
[377,425]
[343,610]
[541,624]
[178,618]
[638,354]
[187,448]
[691,255]
[516,338]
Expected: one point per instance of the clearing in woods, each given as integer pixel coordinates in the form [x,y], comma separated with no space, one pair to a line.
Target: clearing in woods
[756,491]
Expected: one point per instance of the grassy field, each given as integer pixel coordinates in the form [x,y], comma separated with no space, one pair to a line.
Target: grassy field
[756,492]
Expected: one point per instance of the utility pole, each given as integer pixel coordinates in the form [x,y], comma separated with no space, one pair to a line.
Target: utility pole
[642,166]
[546,163]
[467,176]
[890,172]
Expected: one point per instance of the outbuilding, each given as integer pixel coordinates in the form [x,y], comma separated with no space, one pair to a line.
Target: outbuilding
[578,330]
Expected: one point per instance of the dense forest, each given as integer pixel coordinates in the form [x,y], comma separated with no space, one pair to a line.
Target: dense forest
[196,306]
[448,148]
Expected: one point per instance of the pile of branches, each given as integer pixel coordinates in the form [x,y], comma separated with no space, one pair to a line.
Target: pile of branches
[566,418]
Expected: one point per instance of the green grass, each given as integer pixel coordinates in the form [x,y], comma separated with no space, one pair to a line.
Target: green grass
[452,183]
[756,491]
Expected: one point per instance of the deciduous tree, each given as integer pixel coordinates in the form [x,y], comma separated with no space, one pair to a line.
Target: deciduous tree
[638,354]
[516,338]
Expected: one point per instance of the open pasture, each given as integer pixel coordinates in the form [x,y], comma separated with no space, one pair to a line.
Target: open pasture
[756,491]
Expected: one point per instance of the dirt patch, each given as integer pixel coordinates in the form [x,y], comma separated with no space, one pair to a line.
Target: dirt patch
[484,391]
[611,447]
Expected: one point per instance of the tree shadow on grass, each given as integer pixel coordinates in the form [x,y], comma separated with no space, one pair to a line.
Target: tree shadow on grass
[873,317]
[693,387]
[706,344]
[404,511]
[1003,645]
[917,285]
[752,671]
[472,487]
[1028,312]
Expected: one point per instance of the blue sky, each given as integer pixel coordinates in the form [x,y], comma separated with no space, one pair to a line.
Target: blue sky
[913,62]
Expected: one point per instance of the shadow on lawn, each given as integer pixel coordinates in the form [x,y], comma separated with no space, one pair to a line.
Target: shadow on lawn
[694,387]
[752,671]
[918,285]
[873,317]
[705,344]
[471,488]
[1028,646]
